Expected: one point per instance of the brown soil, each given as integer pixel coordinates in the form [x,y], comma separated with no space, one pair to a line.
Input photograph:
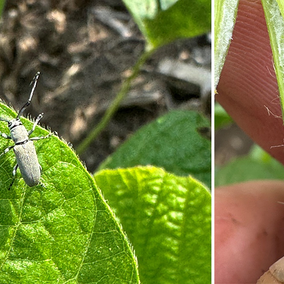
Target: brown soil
[84,50]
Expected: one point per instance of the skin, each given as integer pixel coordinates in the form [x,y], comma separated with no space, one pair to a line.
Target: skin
[249,220]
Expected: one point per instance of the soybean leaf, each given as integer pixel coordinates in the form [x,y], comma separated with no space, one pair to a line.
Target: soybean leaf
[224,20]
[281,7]
[174,142]
[167,219]
[225,12]
[163,21]
[60,232]
[275,25]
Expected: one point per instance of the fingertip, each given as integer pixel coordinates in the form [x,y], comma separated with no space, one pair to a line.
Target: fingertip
[248,230]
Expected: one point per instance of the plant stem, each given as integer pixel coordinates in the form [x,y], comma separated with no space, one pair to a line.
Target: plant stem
[115,104]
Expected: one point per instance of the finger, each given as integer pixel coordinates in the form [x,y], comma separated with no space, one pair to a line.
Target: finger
[248,84]
[249,229]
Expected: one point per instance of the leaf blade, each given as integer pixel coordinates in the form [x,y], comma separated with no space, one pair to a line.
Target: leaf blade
[173,142]
[225,12]
[48,234]
[164,21]
[275,26]
[163,215]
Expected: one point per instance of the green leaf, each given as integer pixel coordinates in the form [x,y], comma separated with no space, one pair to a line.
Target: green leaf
[167,20]
[281,6]
[221,118]
[258,165]
[167,219]
[225,12]
[275,25]
[62,232]
[174,142]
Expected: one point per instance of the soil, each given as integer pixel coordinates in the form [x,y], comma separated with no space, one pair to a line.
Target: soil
[231,142]
[84,51]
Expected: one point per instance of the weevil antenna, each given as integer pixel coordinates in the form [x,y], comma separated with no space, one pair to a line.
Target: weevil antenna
[34,82]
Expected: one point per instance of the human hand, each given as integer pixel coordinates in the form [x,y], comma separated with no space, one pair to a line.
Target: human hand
[248,217]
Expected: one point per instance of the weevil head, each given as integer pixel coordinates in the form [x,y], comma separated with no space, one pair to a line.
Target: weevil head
[18,131]
[14,123]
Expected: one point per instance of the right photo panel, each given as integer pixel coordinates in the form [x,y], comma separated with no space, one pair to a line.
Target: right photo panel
[249,141]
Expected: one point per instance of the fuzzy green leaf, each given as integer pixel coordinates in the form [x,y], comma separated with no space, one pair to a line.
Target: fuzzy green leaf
[225,12]
[281,6]
[174,142]
[275,25]
[62,232]
[167,219]
[162,21]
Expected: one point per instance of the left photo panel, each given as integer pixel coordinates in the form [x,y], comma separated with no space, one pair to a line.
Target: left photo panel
[105,141]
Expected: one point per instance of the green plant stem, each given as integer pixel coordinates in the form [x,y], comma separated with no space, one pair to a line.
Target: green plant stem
[115,104]
[2,5]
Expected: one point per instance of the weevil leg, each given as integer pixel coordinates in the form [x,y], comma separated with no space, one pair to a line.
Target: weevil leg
[40,116]
[4,135]
[41,184]
[14,176]
[15,170]
[42,137]
[7,150]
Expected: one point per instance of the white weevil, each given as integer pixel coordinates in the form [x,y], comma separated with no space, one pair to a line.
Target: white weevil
[24,148]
